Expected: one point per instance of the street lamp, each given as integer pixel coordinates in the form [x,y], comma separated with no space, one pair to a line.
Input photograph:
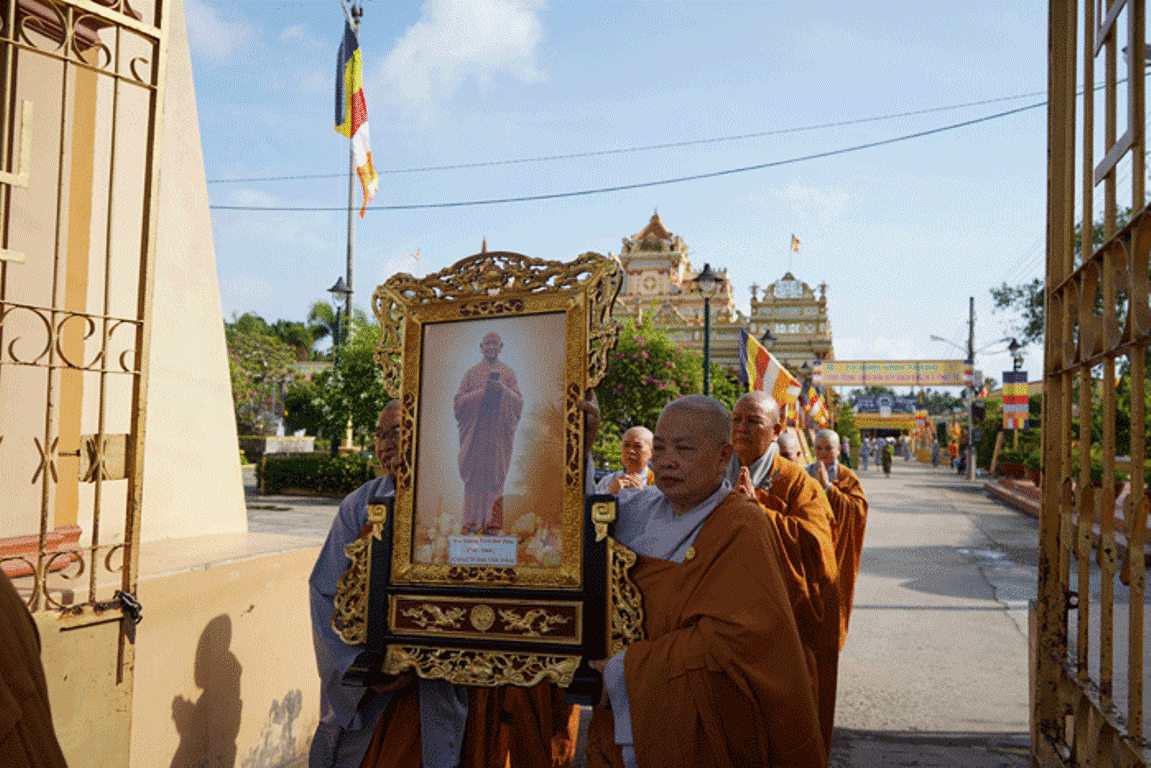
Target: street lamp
[706,282]
[339,293]
[767,339]
[1016,355]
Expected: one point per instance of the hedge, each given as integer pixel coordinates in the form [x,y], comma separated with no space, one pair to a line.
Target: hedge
[315,472]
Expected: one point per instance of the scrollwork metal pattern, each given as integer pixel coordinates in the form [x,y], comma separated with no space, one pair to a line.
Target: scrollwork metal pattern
[625,612]
[55,324]
[66,32]
[65,566]
[484,668]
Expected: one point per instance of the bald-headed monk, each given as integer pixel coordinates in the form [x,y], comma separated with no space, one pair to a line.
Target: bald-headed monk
[720,677]
[849,504]
[798,510]
[635,451]
[487,407]
[789,447]
[399,721]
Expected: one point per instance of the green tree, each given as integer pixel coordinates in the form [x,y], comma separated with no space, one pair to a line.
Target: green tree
[354,387]
[1027,300]
[848,431]
[645,372]
[258,363]
[322,321]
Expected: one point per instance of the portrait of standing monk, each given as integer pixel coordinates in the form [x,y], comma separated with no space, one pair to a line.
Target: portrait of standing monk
[487,408]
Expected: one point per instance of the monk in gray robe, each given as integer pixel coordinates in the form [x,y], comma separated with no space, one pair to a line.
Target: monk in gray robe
[400,722]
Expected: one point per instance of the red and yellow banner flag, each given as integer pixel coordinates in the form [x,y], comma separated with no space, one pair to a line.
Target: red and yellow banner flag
[352,112]
[759,369]
[816,410]
[794,243]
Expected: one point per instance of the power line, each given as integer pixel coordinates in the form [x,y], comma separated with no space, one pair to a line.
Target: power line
[646,184]
[643,148]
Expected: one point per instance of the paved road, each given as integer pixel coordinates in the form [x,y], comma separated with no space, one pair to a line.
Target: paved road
[934,672]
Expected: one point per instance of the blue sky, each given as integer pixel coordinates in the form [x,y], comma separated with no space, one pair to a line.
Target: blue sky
[902,233]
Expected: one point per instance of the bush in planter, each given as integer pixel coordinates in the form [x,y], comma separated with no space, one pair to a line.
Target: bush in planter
[315,472]
[1033,461]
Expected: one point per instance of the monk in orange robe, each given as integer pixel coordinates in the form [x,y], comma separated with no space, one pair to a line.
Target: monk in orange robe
[487,408]
[720,677]
[520,727]
[27,738]
[799,512]
[849,504]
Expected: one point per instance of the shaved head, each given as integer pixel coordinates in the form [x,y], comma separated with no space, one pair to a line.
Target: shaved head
[789,446]
[635,449]
[638,433]
[764,401]
[714,416]
[830,435]
[755,425]
[827,447]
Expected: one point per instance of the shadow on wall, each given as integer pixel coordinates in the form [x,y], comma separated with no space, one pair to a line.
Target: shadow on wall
[208,727]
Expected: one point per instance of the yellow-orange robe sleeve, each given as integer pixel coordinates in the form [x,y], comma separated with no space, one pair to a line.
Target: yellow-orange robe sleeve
[721,679]
[526,727]
[849,504]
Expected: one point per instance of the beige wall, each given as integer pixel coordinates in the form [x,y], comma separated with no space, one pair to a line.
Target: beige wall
[225,671]
[192,480]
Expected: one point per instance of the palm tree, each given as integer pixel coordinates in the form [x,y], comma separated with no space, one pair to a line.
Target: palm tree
[296,335]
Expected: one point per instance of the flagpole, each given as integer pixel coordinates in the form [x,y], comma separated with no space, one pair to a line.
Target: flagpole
[354,15]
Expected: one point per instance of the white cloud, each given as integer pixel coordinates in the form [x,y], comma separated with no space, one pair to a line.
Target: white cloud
[299,36]
[811,205]
[214,35]
[455,43]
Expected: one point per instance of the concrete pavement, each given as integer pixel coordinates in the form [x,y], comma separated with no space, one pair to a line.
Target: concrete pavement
[934,671]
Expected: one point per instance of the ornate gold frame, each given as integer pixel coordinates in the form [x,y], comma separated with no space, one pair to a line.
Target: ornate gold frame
[486,286]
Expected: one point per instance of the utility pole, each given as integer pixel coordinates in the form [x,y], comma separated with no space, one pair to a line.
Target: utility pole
[971,390]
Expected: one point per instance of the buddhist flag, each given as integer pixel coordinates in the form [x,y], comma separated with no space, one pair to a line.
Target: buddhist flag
[759,369]
[352,112]
[794,243]
[816,410]
[1015,400]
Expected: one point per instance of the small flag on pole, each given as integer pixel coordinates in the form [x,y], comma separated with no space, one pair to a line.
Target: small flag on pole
[416,255]
[352,112]
[759,369]
[794,243]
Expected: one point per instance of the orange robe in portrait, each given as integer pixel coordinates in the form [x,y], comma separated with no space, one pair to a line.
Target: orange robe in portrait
[720,679]
[801,515]
[27,739]
[520,727]
[849,504]
[487,424]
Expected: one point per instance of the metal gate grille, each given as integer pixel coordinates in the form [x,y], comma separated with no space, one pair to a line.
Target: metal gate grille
[82,91]
[1091,615]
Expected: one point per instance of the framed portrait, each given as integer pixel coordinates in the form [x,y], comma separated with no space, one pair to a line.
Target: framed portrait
[497,564]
